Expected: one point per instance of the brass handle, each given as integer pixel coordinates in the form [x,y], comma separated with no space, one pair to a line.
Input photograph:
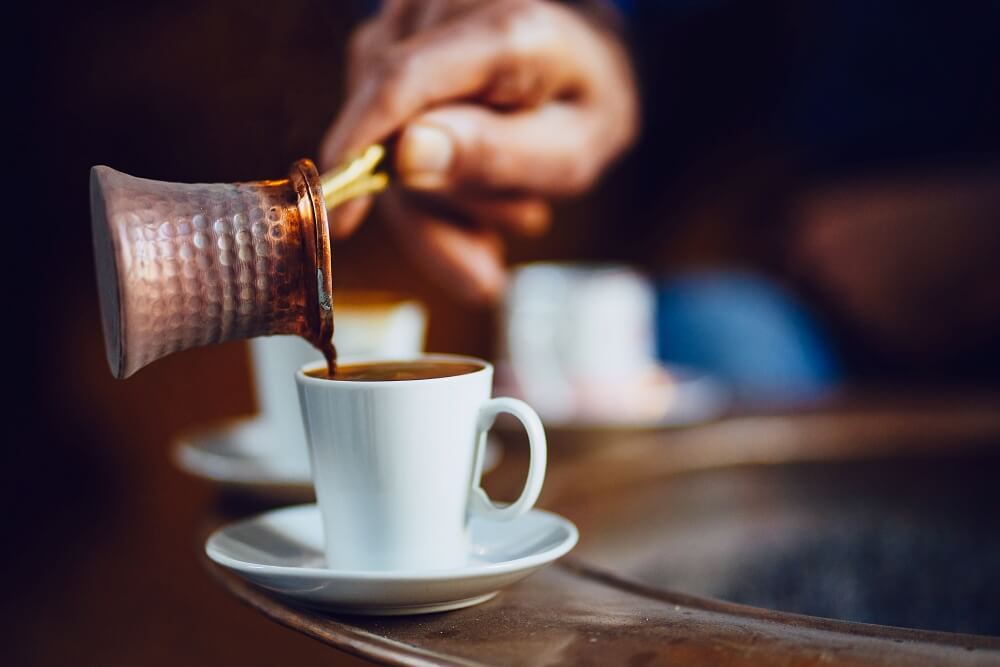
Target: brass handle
[355,178]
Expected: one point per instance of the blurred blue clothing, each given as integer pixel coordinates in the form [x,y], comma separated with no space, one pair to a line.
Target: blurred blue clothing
[747,332]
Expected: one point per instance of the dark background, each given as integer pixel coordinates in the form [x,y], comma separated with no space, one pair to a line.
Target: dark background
[749,107]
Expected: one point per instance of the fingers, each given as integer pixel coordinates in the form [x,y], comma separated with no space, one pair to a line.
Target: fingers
[521,215]
[431,12]
[466,262]
[397,20]
[501,105]
[454,60]
[366,40]
[549,151]
[525,216]
[344,219]
[461,152]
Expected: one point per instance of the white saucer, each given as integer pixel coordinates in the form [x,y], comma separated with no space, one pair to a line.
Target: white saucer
[242,452]
[247,454]
[683,396]
[282,551]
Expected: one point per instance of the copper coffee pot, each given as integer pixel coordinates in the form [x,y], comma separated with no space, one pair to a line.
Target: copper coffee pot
[181,265]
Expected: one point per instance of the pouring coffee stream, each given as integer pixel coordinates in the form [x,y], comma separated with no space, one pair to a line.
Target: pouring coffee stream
[181,265]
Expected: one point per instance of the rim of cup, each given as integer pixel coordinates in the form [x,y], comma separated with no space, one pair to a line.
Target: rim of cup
[301,373]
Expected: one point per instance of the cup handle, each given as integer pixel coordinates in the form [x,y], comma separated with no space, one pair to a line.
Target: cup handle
[479,502]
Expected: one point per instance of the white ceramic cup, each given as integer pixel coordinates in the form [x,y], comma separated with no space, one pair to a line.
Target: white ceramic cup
[397,464]
[576,337]
[370,324]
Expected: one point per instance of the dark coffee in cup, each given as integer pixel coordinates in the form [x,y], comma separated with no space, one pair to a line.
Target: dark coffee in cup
[388,371]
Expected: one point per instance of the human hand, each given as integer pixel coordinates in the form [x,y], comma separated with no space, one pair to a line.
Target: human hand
[497,107]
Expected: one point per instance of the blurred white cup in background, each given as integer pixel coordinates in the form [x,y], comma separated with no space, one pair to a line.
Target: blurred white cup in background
[580,340]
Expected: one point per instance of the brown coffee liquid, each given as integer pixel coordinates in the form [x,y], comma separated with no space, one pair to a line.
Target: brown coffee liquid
[330,354]
[387,371]
[354,299]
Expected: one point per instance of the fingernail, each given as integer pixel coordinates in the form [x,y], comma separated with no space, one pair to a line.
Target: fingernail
[425,156]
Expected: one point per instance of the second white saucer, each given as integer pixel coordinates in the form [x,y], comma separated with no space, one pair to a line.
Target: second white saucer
[249,455]
[282,551]
[244,452]
[673,396]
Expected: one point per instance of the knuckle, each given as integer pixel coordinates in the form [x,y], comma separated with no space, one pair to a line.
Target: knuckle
[529,36]
[388,65]
[520,22]
[389,76]
[385,102]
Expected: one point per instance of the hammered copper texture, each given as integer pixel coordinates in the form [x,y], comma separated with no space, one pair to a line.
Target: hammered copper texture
[182,265]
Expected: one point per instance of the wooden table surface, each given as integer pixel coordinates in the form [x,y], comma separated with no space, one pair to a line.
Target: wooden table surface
[640,498]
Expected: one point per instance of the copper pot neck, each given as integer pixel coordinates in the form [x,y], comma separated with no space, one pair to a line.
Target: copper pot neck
[315,230]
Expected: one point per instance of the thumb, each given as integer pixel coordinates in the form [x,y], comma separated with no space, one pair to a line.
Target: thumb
[548,150]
